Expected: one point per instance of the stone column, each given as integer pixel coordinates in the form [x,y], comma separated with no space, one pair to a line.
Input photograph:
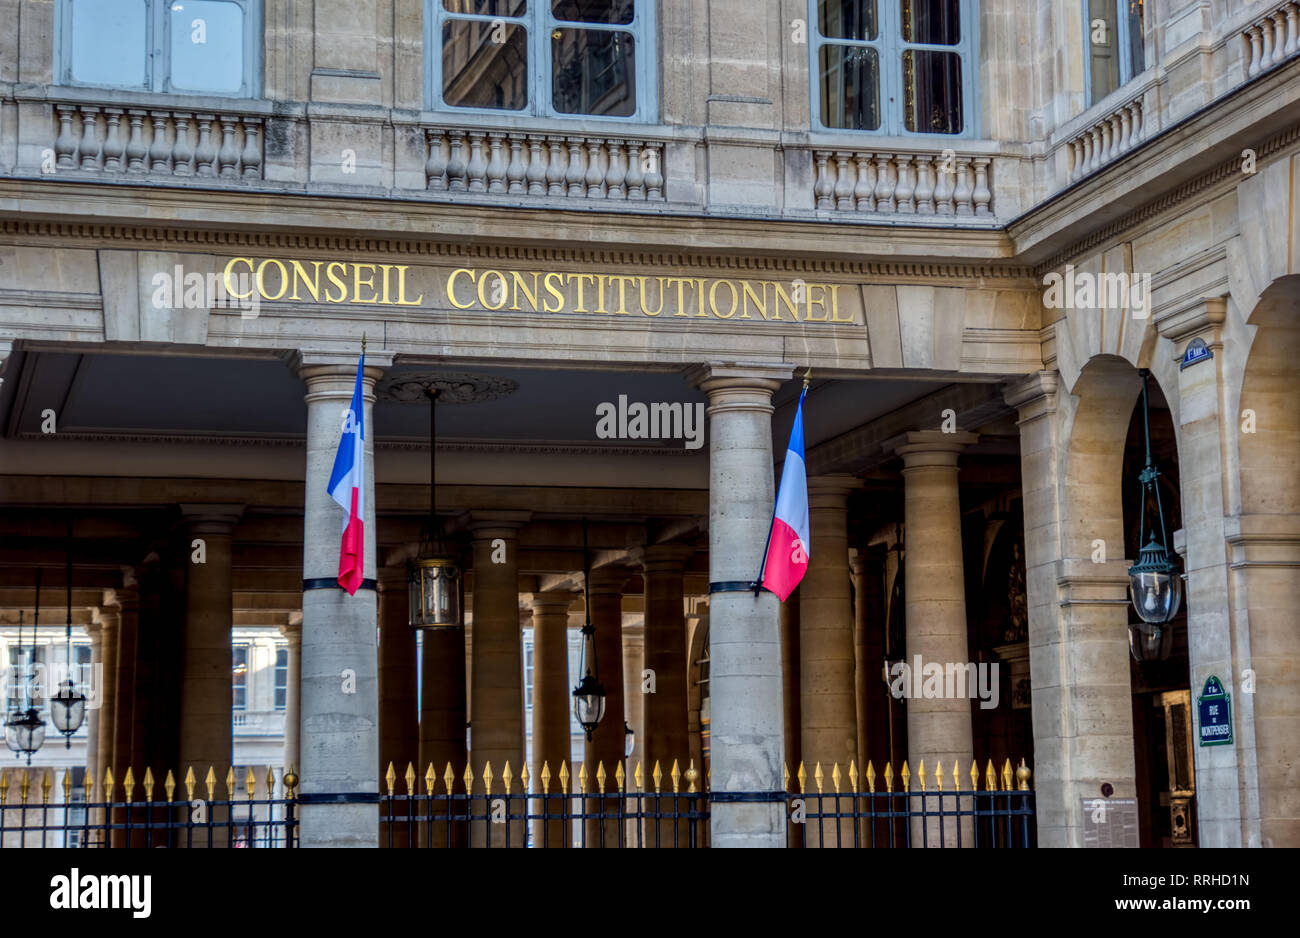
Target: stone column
[828,736]
[442,718]
[551,706]
[340,662]
[205,729]
[667,734]
[938,728]
[869,655]
[634,710]
[128,619]
[107,727]
[790,702]
[94,703]
[498,690]
[605,748]
[152,617]
[293,690]
[744,640]
[399,733]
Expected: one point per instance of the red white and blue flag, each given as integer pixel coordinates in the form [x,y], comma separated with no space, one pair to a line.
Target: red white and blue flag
[788,544]
[348,487]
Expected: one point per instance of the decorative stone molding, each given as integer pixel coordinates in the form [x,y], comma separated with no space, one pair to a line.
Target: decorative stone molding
[139,141]
[1107,140]
[1271,38]
[903,183]
[452,387]
[514,163]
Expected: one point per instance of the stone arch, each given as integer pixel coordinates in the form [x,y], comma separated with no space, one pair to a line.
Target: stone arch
[1270,456]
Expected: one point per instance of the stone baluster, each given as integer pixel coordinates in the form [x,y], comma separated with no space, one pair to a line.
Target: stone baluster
[1253,40]
[476,170]
[595,176]
[822,188]
[843,182]
[1266,51]
[456,165]
[205,153]
[944,178]
[654,177]
[905,191]
[983,196]
[135,148]
[1292,29]
[924,185]
[496,167]
[1139,127]
[555,168]
[575,174]
[865,190]
[961,195]
[113,145]
[435,167]
[228,156]
[635,175]
[251,158]
[1125,129]
[65,146]
[515,169]
[159,151]
[884,184]
[536,173]
[182,154]
[89,148]
[1107,141]
[1089,152]
[617,171]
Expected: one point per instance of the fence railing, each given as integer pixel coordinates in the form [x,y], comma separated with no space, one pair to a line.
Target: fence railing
[670,811]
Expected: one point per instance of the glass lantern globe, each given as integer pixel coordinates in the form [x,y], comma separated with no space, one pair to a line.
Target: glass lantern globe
[67,709]
[589,703]
[433,589]
[629,740]
[1155,587]
[1148,642]
[25,732]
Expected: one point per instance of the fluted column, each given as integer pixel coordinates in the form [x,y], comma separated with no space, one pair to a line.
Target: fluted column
[605,748]
[497,703]
[744,639]
[827,708]
[551,702]
[938,727]
[340,661]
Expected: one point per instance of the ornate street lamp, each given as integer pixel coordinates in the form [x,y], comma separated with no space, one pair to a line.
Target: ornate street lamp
[25,730]
[1155,587]
[589,695]
[434,578]
[67,707]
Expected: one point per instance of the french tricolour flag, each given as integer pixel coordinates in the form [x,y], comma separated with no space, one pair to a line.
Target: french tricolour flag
[348,486]
[788,545]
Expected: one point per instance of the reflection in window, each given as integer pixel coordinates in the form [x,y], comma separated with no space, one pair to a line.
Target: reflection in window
[484,64]
[281,678]
[239,676]
[207,45]
[593,11]
[1115,50]
[108,42]
[485,7]
[593,72]
[848,19]
[930,23]
[932,86]
[850,83]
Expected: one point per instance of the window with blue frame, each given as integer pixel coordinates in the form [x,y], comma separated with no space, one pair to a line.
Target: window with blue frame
[895,67]
[281,678]
[175,46]
[1115,54]
[543,58]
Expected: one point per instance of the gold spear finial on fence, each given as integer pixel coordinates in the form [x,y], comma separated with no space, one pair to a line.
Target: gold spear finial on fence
[974,776]
[906,777]
[990,778]
[785,777]
[87,783]
[889,777]
[1006,776]
[938,774]
[448,778]
[546,777]
[169,785]
[835,777]
[619,777]
[67,785]
[25,785]
[468,778]
[189,784]
[676,776]
[638,777]
[506,776]
[802,778]
[46,784]
[523,777]
[390,778]
[108,783]
[128,784]
[210,780]
[250,783]
[853,776]
[4,784]
[656,776]
[600,776]
[692,776]
[582,778]
[956,776]
[270,782]
[487,777]
[1022,776]
[290,780]
[410,778]
[920,775]
[564,776]
[871,777]
[817,777]
[148,784]
[230,783]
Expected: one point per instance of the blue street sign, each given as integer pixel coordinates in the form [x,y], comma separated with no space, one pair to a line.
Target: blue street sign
[1197,351]
[1215,708]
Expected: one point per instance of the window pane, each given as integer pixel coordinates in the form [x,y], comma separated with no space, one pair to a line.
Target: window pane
[484,64]
[1137,55]
[1102,48]
[207,46]
[847,19]
[932,90]
[850,86]
[486,7]
[937,22]
[593,72]
[108,42]
[593,11]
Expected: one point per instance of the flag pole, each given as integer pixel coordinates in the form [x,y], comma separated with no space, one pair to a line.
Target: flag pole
[757,582]
[363,343]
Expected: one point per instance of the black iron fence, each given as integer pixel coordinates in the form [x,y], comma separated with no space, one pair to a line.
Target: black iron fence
[675,812]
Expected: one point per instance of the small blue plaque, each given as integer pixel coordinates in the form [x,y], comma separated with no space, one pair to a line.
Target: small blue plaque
[1197,351]
[1215,708]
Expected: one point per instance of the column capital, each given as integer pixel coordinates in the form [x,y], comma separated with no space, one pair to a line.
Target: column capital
[486,525]
[556,602]
[292,629]
[315,362]
[922,449]
[1200,318]
[606,580]
[211,519]
[1033,395]
[832,490]
[739,386]
[657,557]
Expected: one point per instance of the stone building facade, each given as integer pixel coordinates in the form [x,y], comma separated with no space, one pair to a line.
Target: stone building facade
[205,207]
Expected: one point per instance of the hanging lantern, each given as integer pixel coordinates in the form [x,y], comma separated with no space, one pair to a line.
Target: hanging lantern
[1147,642]
[24,729]
[629,740]
[67,707]
[589,695]
[434,577]
[1155,587]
